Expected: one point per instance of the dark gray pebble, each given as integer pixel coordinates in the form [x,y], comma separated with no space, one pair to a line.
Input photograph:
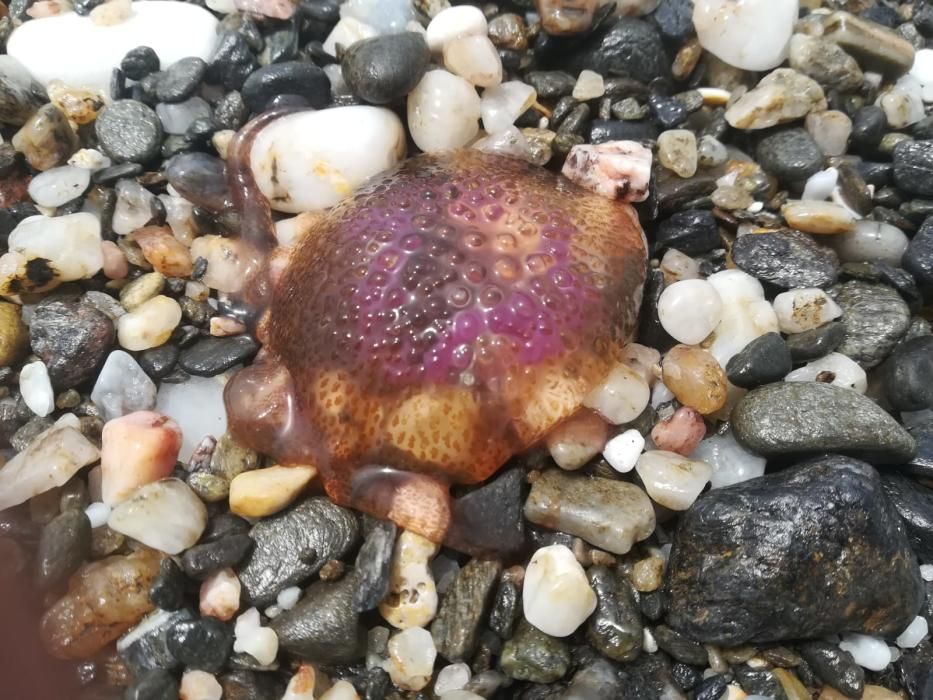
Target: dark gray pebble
[73,339]
[918,258]
[817,342]
[109,176]
[675,19]
[631,47]
[875,316]
[914,503]
[835,667]
[531,655]
[668,112]
[289,78]
[616,130]
[615,628]
[231,62]
[680,647]
[790,155]
[201,560]
[764,360]
[506,608]
[203,644]
[869,124]
[550,84]
[787,259]
[759,682]
[692,232]
[139,62]
[129,131]
[158,362]
[231,111]
[710,688]
[167,590]
[799,417]
[906,375]
[145,646]
[293,545]
[463,610]
[386,68]
[250,685]
[213,355]
[815,527]
[488,520]
[913,167]
[64,545]
[373,564]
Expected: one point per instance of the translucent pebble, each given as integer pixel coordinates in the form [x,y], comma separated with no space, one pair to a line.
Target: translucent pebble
[557,597]
[452,677]
[871,241]
[746,314]
[197,405]
[835,369]
[914,633]
[649,644]
[503,104]
[801,310]
[347,32]
[926,572]
[176,117]
[577,440]
[831,130]
[262,643]
[443,112]
[412,598]
[341,690]
[136,449]
[220,595]
[150,324]
[672,480]
[97,513]
[677,151]
[733,31]
[621,397]
[455,22]
[71,243]
[288,597]
[89,158]
[411,658]
[199,685]
[385,16]
[871,653]
[820,185]
[695,378]
[224,262]
[589,86]
[711,152]
[677,266]
[475,59]
[36,388]
[680,433]
[510,142]
[690,310]
[122,387]
[903,103]
[134,206]
[622,451]
[731,462]
[818,217]
[56,186]
[165,515]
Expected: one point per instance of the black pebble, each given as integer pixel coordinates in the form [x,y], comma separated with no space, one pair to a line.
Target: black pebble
[203,644]
[835,667]
[129,131]
[201,560]
[764,360]
[158,362]
[231,111]
[907,375]
[232,61]
[153,685]
[386,68]
[913,167]
[868,126]
[668,112]
[790,155]
[64,545]
[603,130]
[211,356]
[291,78]
[692,232]
[139,62]
[675,19]
[167,590]
[817,342]
[918,258]
[551,84]
[109,176]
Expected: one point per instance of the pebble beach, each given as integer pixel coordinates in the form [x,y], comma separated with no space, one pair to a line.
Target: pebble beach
[429,350]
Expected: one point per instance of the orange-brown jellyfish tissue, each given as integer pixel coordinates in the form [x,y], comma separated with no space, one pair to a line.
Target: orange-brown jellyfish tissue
[442,319]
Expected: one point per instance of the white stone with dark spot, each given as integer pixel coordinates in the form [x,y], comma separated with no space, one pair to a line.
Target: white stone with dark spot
[835,369]
[56,186]
[801,310]
[623,450]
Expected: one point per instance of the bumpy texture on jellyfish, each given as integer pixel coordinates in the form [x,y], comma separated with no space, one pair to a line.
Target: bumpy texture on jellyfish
[441,320]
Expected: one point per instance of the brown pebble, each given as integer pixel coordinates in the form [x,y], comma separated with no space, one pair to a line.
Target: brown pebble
[163,251]
[566,16]
[695,378]
[332,570]
[46,138]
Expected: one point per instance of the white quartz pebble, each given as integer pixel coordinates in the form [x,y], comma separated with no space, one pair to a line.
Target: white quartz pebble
[197,405]
[648,643]
[97,513]
[411,658]
[341,690]
[301,685]
[926,572]
[746,314]
[71,243]
[150,324]
[443,112]
[36,388]
[621,397]
[589,86]
[835,369]
[800,310]
[220,595]
[503,104]
[623,450]
[903,103]
[347,32]
[731,462]
[452,677]
[165,515]
[575,441]
[672,480]
[871,241]
[868,652]
[751,35]
[50,460]
[122,387]
[199,685]
[225,262]
[288,597]
[914,633]
[412,596]
[557,597]
[820,185]
[475,59]
[89,158]
[56,186]
[689,310]
[922,70]
[508,142]
[386,16]
[453,23]
[311,160]
[85,53]
[262,643]
[134,208]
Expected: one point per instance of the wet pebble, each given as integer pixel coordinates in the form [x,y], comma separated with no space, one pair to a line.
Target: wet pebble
[211,356]
[876,317]
[288,78]
[71,338]
[386,68]
[129,131]
[790,155]
[904,375]
[788,259]
[691,232]
[64,545]
[203,644]
[466,604]
[764,360]
[532,655]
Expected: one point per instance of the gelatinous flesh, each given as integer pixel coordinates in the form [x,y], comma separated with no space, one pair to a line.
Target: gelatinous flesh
[439,321]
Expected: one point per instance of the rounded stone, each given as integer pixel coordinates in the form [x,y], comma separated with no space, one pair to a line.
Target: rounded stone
[129,131]
[386,68]
[288,78]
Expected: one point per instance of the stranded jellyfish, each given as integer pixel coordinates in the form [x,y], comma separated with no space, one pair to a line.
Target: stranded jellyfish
[443,318]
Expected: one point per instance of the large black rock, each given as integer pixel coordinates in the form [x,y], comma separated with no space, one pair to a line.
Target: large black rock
[914,503]
[813,550]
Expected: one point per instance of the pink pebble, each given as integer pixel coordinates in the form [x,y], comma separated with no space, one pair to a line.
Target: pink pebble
[136,449]
[220,595]
[681,433]
[115,265]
